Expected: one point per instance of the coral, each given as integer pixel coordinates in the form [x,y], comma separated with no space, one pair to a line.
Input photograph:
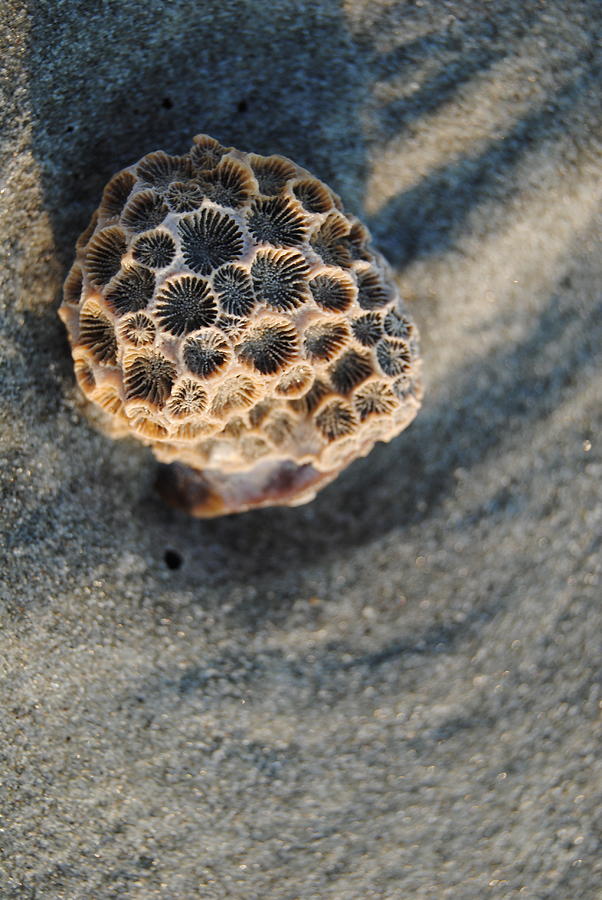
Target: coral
[96,332]
[230,325]
[368,329]
[206,152]
[310,400]
[115,195]
[137,328]
[313,195]
[234,288]
[131,290]
[160,170]
[336,420]
[333,292]
[206,353]
[359,238]
[184,196]
[104,254]
[271,173]
[209,239]
[330,241]
[84,238]
[372,292]
[188,398]
[148,377]
[396,324]
[72,290]
[230,184]
[156,249]
[145,210]
[185,304]
[374,399]
[224,309]
[276,221]
[296,382]
[84,372]
[279,278]
[393,356]
[350,370]
[323,340]
[269,346]
[238,392]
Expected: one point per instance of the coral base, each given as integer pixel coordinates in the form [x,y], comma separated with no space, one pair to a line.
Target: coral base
[215,493]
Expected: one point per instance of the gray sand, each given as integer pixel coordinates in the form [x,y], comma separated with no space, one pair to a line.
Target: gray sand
[395,691]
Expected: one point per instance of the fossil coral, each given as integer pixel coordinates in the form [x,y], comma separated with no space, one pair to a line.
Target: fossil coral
[224,309]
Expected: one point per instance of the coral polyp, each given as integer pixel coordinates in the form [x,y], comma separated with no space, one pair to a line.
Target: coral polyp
[209,239]
[185,304]
[225,310]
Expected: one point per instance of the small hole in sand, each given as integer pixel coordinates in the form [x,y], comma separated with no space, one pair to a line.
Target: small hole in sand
[173,560]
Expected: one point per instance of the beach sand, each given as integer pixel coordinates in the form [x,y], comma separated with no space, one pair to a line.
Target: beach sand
[393,692]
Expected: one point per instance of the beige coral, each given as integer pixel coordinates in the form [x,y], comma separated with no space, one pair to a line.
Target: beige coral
[224,309]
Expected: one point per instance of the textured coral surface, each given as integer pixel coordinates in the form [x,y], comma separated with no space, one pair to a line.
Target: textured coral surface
[224,309]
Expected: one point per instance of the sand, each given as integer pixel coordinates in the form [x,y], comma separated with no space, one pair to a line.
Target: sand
[393,692]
